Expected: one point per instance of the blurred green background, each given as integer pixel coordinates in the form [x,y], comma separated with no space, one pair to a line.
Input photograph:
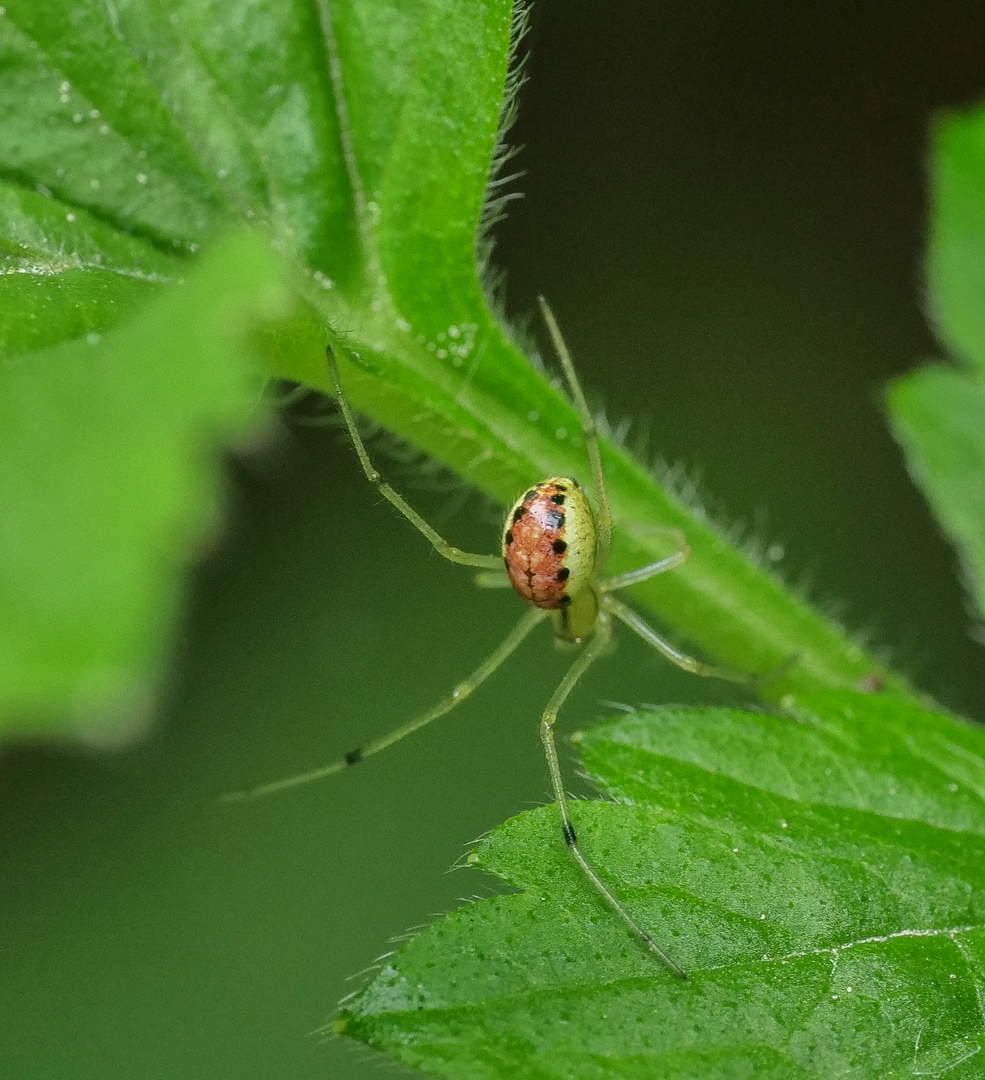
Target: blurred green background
[726,206]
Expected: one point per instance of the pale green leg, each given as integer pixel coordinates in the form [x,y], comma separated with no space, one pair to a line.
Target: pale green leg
[661,566]
[644,573]
[440,545]
[675,656]
[512,642]
[592,651]
[493,579]
[603,526]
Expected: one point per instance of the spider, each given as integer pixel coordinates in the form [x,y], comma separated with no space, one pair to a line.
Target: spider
[555,547]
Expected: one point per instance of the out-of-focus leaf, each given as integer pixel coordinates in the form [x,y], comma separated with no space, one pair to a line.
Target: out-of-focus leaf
[939,419]
[938,413]
[109,486]
[955,263]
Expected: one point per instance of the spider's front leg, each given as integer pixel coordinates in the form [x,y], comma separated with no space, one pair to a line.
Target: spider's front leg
[438,542]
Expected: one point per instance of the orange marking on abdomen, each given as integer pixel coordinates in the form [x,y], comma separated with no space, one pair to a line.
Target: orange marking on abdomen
[534,547]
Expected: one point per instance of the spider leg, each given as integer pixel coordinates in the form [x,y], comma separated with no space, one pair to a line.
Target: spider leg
[644,573]
[591,652]
[634,577]
[507,647]
[682,660]
[440,545]
[603,526]
[493,579]
[669,562]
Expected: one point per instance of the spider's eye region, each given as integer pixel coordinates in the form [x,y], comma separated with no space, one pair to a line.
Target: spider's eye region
[549,543]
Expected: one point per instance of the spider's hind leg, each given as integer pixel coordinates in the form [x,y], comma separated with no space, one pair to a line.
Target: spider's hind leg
[595,648]
[467,686]
[697,667]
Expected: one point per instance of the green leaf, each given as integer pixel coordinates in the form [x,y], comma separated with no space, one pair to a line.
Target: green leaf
[361,135]
[820,876]
[109,484]
[938,416]
[938,413]
[955,266]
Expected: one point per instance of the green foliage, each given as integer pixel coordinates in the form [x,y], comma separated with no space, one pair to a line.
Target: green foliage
[356,138]
[938,412]
[108,469]
[820,875]
[938,417]
[359,138]
[955,267]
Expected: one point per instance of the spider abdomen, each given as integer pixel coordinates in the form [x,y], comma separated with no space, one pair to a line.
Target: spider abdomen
[549,543]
